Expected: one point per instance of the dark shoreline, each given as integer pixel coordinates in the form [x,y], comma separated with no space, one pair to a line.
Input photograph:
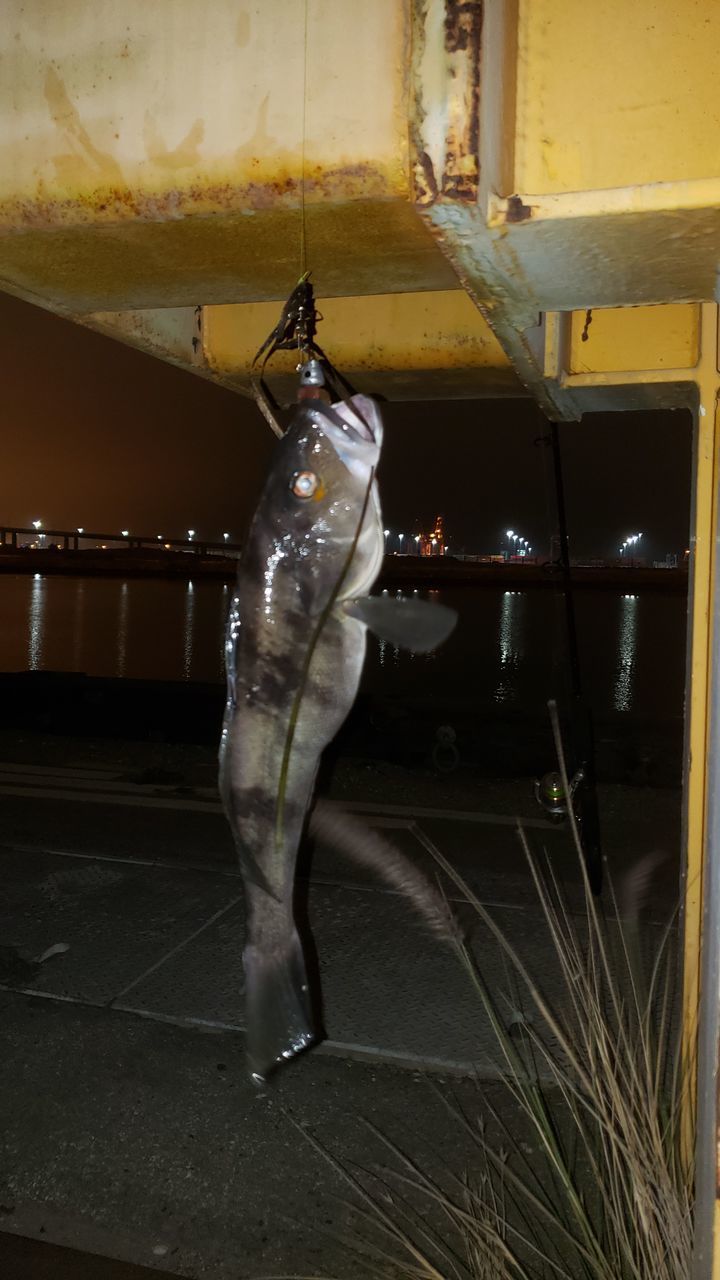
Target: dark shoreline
[491,742]
[397,571]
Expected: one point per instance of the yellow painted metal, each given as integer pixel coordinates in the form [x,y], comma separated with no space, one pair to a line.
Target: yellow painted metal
[621,339]
[686,338]
[105,108]
[704,534]
[614,94]
[149,158]
[598,175]
[407,345]
[634,348]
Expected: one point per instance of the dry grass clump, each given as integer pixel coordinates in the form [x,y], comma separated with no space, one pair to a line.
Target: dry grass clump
[591,1184]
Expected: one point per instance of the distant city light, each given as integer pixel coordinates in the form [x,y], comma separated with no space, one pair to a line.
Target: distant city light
[160,537]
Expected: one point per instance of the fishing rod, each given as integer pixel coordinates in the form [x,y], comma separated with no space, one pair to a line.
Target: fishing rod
[580,742]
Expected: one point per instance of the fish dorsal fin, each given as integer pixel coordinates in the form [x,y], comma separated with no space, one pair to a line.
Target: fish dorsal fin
[417,625]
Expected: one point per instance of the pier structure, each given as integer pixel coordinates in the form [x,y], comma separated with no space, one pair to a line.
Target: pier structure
[512,198]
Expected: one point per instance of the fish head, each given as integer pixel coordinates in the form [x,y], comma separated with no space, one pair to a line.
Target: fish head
[320,494]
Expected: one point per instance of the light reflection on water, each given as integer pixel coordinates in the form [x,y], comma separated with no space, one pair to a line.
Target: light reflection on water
[78,620]
[510,642]
[36,622]
[122,632]
[624,688]
[188,631]
[506,651]
[224,606]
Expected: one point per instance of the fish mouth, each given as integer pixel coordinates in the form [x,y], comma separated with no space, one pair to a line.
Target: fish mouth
[353,427]
[355,421]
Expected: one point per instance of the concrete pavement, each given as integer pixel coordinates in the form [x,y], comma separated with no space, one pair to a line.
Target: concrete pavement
[131,1129]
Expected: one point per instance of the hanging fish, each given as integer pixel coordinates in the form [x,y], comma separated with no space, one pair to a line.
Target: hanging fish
[295,650]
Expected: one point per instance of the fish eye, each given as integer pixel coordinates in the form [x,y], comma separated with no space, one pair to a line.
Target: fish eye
[304,484]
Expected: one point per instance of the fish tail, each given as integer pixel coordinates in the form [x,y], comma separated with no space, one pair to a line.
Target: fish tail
[278,1006]
[341,831]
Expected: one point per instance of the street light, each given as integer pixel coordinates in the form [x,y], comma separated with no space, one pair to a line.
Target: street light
[400,538]
[226,536]
[418,540]
[387,535]
[125,533]
[191,534]
[80,529]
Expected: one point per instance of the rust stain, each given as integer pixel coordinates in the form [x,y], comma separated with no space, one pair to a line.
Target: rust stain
[463,33]
[462,25]
[517,211]
[108,203]
[84,156]
[185,155]
[426,187]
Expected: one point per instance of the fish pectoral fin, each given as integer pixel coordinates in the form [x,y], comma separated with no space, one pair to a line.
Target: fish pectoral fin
[417,625]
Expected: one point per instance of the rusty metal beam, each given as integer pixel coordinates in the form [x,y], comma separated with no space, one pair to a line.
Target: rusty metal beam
[152,159]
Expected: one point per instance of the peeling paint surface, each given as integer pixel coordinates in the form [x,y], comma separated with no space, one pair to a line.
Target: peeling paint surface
[445,107]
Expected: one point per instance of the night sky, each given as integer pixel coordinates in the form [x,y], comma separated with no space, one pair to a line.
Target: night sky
[99,435]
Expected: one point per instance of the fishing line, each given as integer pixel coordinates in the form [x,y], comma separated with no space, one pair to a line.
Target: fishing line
[303,256]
